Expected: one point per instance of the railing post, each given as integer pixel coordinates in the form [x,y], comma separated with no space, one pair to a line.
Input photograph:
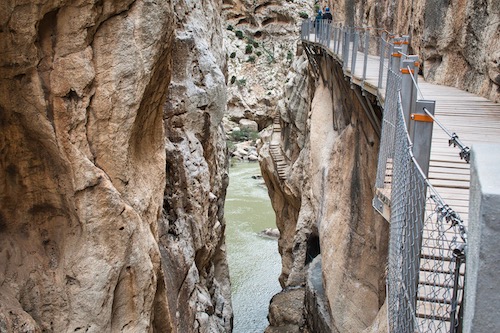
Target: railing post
[405,43]
[328,30]
[324,32]
[394,63]
[367,47]
[316,30]
[354,51]
[421,137]
[344,36]
[335,37]
[347,45]
[382,60]
[339,41]
[408,87]
[421,133]
[320,39]
[308,32]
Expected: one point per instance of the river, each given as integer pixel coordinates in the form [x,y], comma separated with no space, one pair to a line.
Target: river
[254,261]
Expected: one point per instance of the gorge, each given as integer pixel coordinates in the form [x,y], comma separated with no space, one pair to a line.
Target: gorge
[114,161]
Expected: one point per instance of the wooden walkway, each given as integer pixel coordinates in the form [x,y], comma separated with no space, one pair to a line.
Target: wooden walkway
[475,120]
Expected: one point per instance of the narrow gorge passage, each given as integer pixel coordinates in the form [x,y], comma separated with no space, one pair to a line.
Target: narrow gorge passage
[254,261]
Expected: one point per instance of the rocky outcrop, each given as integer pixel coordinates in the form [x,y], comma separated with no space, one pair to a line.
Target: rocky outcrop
[317,311]
[191,232]
[286,312]
[322,204]
[103,226]
[261,43]
[458,41]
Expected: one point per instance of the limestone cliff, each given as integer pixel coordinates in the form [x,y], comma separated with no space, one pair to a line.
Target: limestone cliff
[192,229]
[331,151]
[92,196]
[261,42]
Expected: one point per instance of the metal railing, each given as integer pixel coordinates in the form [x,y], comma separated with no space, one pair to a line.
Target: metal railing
[426,263]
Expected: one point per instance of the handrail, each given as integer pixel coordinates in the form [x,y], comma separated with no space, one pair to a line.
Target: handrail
[454,139]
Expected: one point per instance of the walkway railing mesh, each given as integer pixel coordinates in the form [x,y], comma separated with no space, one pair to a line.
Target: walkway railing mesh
[426,264]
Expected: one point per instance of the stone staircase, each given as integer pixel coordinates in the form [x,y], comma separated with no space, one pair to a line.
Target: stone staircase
[279,160]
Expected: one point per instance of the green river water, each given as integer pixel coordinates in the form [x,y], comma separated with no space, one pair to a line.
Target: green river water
[254,261]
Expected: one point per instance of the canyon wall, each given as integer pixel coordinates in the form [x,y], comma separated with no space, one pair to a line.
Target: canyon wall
[112,176]
[191,233]
[324,204]
[261,43]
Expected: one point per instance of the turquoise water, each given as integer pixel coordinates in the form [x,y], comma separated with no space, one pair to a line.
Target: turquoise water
[254,261]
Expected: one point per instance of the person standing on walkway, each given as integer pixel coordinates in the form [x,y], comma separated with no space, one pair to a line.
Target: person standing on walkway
[318,20]
[327,15]
[327,20]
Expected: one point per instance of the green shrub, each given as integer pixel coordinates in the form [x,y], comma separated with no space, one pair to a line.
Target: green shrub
[239,34]
[241,82]
[230,27]
[289,55]
[255,44]
[233,79]
[244,135]
[251,59]
[303,15]
[248,49]
[258,53]
[232,55]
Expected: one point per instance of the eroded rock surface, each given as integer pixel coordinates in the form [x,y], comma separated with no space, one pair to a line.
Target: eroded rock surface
[261,43]
[192,227]
[331,150]
[103,226]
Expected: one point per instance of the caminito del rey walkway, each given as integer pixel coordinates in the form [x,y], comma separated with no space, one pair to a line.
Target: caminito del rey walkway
[423,175]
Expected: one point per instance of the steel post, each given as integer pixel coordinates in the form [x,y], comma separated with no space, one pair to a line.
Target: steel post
[366,48]
[406,90]
[382,60]
[421,133]
[339,43]
[328,33]
[405,43]
[354,52]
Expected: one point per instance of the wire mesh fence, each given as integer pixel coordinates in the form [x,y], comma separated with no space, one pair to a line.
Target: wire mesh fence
[387,139]
[426,251]
[407,209]
[442,269]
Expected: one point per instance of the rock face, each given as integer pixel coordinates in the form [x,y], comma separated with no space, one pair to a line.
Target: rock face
[458,41]
[261,43]
[192,227]
[324,204]
[93,199]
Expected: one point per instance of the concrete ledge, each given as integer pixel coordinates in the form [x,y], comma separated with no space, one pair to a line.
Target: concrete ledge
[483,256]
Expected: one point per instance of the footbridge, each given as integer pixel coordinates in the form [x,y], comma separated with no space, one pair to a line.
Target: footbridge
[422,184]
